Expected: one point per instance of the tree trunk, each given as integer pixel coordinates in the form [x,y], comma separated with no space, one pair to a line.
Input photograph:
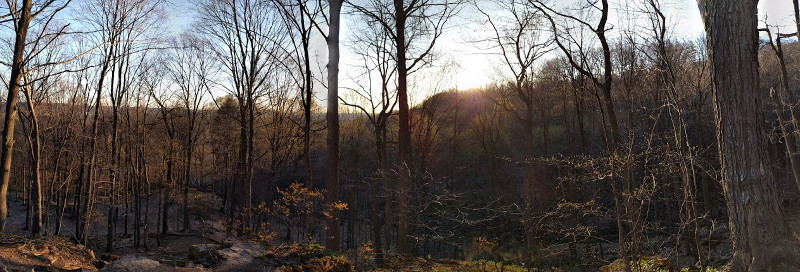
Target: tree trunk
[307,111]
[146,203]
[165,201]
[62,206]
[759,231]
[17,66]
[240,193]
[36,152]
[187,175]
[332,181]
[374,196]
[250,156]
[796,8]
[137,208]
[88,201]
[112,177]
[616,140]
[404,136]
[77,199]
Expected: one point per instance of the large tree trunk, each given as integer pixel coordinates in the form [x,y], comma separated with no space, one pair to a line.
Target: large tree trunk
[404,135]
[759,232]
[17,67]
[332,180]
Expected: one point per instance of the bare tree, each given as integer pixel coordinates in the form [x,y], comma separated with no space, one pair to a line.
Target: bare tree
[166,111]
[122,27]
[137,125]
[70,90]
[23,14]
[308,18]
[35,146]
[242,35]
[192,71]
[521,42]
[300,17]
[667,76]
[22,19]
[378,106]
[414,27]
[38,84]
[787,127]
[603,82]
[40,77]
[332,180]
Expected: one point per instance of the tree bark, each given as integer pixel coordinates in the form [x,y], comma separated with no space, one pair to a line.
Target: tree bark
[169,182]
[375,223]
[308,93]
[36,152]
[17,66]
[332,181]
[188,172]
[89,188]
[404,136]
[761,237]
[113,170]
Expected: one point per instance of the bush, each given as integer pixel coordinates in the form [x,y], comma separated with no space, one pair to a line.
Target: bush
[298,204]
[643,264]
[308,257]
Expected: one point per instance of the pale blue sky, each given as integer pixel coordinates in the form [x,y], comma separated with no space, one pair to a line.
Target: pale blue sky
[476,67]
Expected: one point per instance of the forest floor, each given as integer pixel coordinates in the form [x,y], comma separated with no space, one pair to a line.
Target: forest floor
[209,247]
[206,247]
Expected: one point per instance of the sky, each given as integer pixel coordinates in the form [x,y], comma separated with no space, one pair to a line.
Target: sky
[480,67]
[476,67]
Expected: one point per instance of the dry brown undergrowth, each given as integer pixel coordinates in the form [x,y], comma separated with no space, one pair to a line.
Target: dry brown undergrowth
[18,253]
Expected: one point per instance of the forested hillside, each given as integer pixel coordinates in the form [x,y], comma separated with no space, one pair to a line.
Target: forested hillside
[301,135]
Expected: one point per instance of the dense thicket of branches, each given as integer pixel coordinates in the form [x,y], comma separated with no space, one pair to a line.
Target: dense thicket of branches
[588,147]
